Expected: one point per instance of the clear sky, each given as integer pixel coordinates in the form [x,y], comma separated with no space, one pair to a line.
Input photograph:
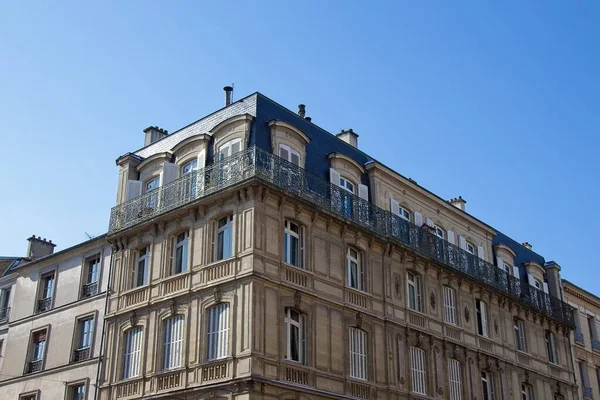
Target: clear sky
[495,101]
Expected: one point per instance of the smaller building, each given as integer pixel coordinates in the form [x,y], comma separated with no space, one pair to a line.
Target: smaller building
[585,340]
[53,308]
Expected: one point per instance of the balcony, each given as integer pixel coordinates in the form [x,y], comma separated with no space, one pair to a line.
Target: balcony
[81,354]
[34,366]
[579,337]
[257,164]
[44,304]
[89,290]
[587,392]
[4,314]
[595,344]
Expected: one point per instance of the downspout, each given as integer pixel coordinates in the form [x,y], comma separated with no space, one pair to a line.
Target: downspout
[101,354]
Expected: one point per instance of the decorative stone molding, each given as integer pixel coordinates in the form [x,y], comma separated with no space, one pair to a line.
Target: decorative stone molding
[298,299]
[432,300]
[467,314]
[217,294]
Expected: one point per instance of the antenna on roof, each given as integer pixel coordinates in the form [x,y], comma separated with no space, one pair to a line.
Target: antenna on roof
[90,237]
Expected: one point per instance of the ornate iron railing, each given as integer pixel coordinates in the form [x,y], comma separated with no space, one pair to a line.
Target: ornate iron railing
[579,337]
[89,290]
[81,354]
[264,166]
[588,393]
[44,304]
[34,366]
[4,314]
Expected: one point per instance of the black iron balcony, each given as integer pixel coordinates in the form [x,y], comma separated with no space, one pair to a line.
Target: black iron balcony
[257,164]
[579,337]
[44,304]
[81,354]
[587,392]
[34,366]
[595,344]
[4,314]
[89,290]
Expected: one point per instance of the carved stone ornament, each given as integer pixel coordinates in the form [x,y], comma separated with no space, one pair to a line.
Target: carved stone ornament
[402,380]
[496,326]
[133,319]
[397,286]
[172,306]
[432,300]
[217,294]
[440,390]
[297,298]
[467,314]
[359,320]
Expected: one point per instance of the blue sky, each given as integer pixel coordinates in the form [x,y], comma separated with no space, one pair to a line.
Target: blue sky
[495,101]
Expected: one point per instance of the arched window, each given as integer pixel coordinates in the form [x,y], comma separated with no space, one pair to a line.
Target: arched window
[132,352]
[526,391]
[218,332]
[355,269]
[295,332]
[487,385]
[173,342]
[449,305]
[418,367]
[455,379]
[358,353]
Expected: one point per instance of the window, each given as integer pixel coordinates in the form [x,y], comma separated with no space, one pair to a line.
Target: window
[526,392]
[470,248]
[551,347]
[413,282]
[507,268]
[481,308]
[418,368]
[347,185]
[38,347]
[358,353]
[190,178]
[293,244]
[28,396]
[92,274]
[4,302]
[537,284]
[289,154]
[520,339]
[455,379]
[152,192]
[356,279]
[218,331]
[449,305]
[47,291]
[188,168]
[173,342]
[592,327]
[224,246]
[84,336]
[76,392]
[346,198]
[180,255]
[403,213]
[295,336]
[140,273]
[439,232]
[132,352]
[230,148]
[487,385]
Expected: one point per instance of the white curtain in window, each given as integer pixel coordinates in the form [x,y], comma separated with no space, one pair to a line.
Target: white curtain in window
[132,352]
[173,342]
[358,353]
[454,376]
[218,331]
[417,362]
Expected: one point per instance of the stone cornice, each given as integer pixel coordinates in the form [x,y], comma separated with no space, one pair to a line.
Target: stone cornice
[582,296]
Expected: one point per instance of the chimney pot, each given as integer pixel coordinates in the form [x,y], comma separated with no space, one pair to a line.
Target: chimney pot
[527,245]
[309,119]
[301,110]
[458,202]
[349,137]
[228,92]
[39,247]
[153,134]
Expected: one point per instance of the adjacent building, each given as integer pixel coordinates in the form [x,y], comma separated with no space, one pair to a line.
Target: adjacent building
[53,308]
[585,339]
[257,256]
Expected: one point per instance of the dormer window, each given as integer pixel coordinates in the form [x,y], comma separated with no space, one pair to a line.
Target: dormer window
[470,248]
[439,232]
[347,185]
[152,189]
[289,154]
[507,268]
[230,148]
[403,213]
[152,184]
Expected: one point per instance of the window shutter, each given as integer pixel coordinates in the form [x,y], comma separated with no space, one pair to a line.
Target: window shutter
[450,236]
[480,252]
[483,308]
[201,159]
[500,262]
[169,173]
[516,272]
[531,280]
[394,207]
[418,219]
[334,177]
[462,243]
[363,192]
[545,287]
[134,189]
[429,222]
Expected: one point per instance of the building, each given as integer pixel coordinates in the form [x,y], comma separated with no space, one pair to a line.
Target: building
[585,339]
[258,256]
[54,324]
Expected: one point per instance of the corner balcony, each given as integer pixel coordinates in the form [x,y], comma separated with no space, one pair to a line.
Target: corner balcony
[259,165]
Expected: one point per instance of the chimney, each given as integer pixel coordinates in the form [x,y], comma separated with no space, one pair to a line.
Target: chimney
[153,134]
[349,137]
[301,110]
[459,203]
[553,278]
[39,247]
[527,245]
[309,119]
[228,92]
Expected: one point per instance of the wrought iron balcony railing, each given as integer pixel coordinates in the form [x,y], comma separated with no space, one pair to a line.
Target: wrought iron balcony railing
[81,354]
[89,290]
[588,393]
[44,304]
[255,163]
[4,314]
[34,366]
[595,344]
[579,337]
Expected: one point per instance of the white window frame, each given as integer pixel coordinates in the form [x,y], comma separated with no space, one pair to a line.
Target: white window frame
[287,238]
[520,335]
[151,186]
[92,269]
[551,347]
[439,232]
[189,167]
[227,146]
[487,382]
[220,245]
[38,349]
[71,395]
[136,272]
[537,284]
[358,353]
[300,325]
[482,317]
[455,379]
[217,344]
[173,342]
[181,241]
[290,152]
[413,281]
[470,248]
[507,268]
[403,213]
[418,370]
[357,261]
[85,337]
[450,306]
[526,391]
[132,352]
[47,291]
[347,185]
